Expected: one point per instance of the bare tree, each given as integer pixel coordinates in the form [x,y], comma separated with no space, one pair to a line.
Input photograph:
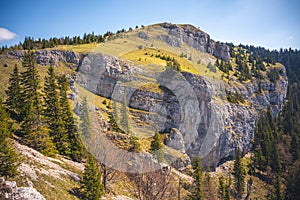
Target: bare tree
[154,185]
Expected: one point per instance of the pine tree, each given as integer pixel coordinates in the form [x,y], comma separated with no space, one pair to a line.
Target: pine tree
[156,147]
[34,131]
[53,114]
[222,187]
[239,173]
[197,185]
[8,157]
[91,186]
[135,145]
[278,192]
[227,190]
[125,123]
[85,119]
[77,150]
[14,96]
[114,119]
[275,159]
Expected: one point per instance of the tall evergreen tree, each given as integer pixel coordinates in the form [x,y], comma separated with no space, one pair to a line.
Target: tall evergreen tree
[8,157]
[125,122]
[77,150]
[197,185]
[224,189]
[135,145]
[14,100]
[35,132]
[114,118]
[53,113]
[91,186]
[278,192]
[156,147]
[239,174]
[85,119]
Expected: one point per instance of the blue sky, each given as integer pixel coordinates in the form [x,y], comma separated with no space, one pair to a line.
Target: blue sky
[268,23]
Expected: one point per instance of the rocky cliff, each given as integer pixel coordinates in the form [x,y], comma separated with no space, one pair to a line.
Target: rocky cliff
[51,57]
[179,34]
[196,107]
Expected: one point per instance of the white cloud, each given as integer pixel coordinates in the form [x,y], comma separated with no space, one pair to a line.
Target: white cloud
[6,34]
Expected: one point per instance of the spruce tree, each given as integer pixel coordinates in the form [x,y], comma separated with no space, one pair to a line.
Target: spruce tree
[77,151]
[278,192]
[125,122]
[114,118]
[91,185]
[156,147]
[85,119]
[34,131]
[222,187]
[53,114]
[8,157]
[227,190]
[135,145]
[239,174]
[14,96]
[197,185]
[275,159]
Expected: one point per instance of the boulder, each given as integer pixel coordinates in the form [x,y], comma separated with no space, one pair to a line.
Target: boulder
[175,140]
[143,35]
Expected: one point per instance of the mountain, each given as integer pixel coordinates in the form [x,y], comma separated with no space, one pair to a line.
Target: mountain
[203,96]
[129,62]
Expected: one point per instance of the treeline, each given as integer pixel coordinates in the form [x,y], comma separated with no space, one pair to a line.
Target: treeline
[30,43]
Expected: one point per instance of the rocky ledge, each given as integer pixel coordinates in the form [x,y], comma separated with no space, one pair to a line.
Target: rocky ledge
[51,57]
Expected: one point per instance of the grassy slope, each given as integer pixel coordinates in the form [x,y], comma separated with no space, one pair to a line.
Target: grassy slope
[47,174]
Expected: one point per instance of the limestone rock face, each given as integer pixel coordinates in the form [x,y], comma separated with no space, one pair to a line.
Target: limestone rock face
[52,57]
[176,140]
[179,34]
[191,108]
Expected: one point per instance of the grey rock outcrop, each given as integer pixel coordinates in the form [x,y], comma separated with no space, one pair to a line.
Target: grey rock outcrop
[52,57]
[179,34]
[171,40]
[143,35]
[9,190]
[48,57]
[176,140]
